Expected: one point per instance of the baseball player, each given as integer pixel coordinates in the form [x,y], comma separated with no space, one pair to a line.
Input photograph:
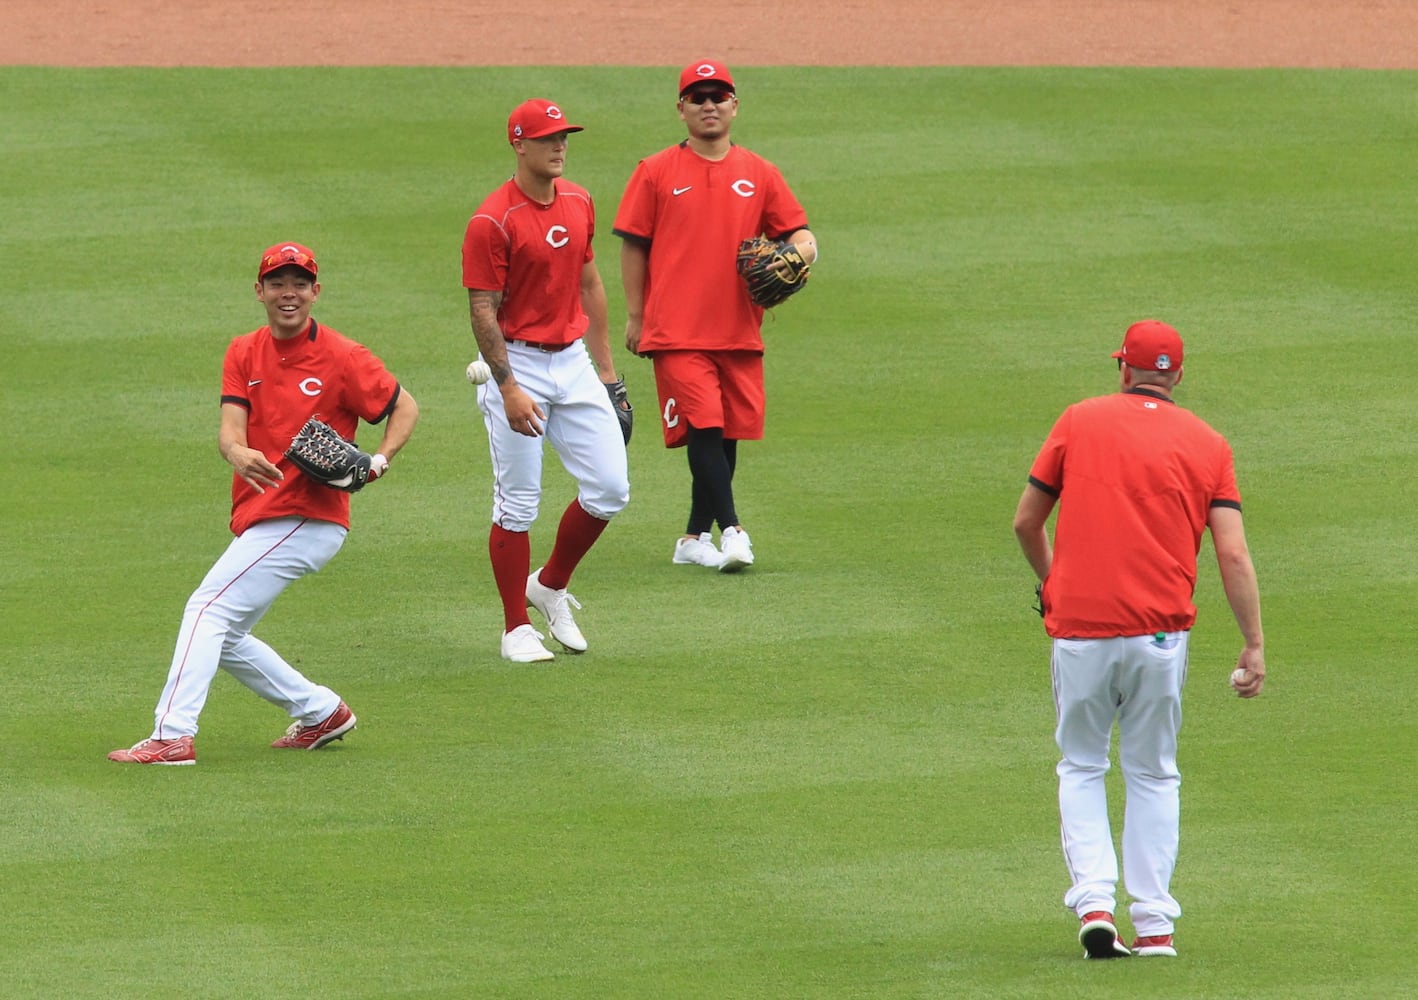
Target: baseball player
[538,311]
[683,215]
[1137,480]
[286,524]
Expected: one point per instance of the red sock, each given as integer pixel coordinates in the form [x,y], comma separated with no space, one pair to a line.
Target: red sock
[575,535]
[511,553]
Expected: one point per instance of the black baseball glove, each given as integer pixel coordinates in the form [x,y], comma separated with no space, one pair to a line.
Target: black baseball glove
[772,269]
[620,402]
[319,452]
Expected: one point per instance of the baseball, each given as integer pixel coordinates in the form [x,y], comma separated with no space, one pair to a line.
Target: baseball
[1238,676]
[479,372]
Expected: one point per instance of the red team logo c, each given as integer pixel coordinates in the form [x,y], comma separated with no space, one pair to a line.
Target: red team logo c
[557,237]
[311,386]
[743,187]
[671,417]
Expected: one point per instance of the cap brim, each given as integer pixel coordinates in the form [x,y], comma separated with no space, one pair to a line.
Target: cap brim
[555,131]
[699,83]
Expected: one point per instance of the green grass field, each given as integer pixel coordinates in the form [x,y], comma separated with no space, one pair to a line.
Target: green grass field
[828,777]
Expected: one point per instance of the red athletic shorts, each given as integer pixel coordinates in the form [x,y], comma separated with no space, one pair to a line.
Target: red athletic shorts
[710,389]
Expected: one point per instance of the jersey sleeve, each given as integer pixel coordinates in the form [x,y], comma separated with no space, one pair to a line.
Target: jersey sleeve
[635,217]
[1227,493]
[486,253]
[371,389]
[235,366]
[590,230]
[783,213]
[1048,469]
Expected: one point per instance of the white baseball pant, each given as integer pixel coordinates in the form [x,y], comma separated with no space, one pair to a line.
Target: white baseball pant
[1138,681]
[217,623]
[580,424]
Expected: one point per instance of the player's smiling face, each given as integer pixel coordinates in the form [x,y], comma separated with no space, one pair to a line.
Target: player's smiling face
[708,109]
[288,294]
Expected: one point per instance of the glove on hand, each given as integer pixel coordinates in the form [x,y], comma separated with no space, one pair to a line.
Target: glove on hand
[620,402]
[319,452]
[773,270]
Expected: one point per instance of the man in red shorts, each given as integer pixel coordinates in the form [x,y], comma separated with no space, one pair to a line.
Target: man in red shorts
[683,215]
[1137,479]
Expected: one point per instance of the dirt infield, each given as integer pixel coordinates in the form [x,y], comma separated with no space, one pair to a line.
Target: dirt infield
[1372,34]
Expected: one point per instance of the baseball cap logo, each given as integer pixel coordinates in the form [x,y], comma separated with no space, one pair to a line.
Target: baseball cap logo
[554,113]
[704,70]
[1164,362]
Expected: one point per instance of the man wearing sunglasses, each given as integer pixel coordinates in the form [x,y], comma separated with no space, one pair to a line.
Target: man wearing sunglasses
[538,311]
[286,524]
[684,213]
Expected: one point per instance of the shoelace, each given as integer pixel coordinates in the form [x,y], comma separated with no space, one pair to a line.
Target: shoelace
[559,603]
[156,746]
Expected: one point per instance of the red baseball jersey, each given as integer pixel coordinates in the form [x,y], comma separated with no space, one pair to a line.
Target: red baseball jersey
[534,255]
[1136,477]
[694,213]
[281,384]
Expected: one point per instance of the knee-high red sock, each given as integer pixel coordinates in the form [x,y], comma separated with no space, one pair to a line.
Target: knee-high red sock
[575,535]
[511,553]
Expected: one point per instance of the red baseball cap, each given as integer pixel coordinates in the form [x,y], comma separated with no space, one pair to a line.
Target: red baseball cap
[282,254]
[537,118]
[704,71]
[1151,345]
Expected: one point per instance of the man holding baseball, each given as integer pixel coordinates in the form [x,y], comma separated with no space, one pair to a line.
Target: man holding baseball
[286,523]
[1137,480]
[684,213]
[538,311]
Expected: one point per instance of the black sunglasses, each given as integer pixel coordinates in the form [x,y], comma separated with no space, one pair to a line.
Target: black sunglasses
[707,96]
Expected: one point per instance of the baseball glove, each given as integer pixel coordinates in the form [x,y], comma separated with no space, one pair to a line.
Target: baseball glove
[620,402]
[772,269]
[319,452]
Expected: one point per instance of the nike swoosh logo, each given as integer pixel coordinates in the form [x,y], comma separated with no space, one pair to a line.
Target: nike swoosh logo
[253,382]
[679,191]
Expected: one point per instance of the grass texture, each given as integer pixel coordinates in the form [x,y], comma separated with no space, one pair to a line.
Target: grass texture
[829,777]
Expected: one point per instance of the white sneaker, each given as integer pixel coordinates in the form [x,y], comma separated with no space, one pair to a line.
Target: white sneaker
[553,606]
[735,550]
[697,552]
[524,645]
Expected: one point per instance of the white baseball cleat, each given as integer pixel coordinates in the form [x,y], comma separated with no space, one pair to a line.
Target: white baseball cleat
[524,645]
[735,550]
[697,552]
[553,606]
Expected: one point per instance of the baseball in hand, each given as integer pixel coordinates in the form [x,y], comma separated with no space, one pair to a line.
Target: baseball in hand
[479,372]
[1239,676]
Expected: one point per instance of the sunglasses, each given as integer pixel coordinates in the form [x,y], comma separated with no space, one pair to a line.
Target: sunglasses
[274,260]
[707,96]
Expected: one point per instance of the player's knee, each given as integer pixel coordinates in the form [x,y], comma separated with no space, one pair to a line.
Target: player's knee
[515,513]
[605,504]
